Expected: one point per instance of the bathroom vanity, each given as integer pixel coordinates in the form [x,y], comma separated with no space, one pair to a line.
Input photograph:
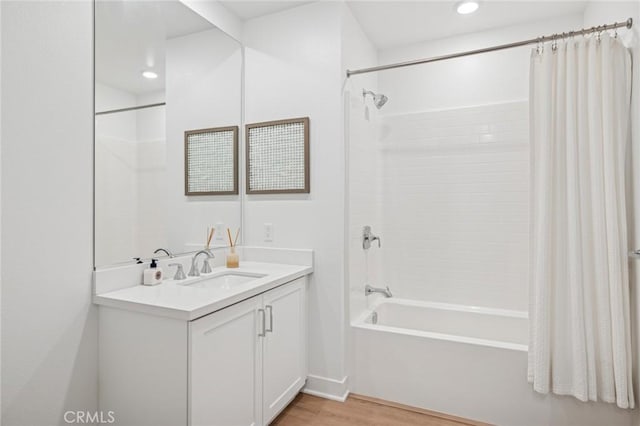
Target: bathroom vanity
[226,348]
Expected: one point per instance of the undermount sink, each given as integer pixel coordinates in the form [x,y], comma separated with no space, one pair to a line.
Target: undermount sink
[226,280]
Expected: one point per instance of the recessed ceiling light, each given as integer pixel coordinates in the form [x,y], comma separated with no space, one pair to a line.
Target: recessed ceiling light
[149,74]
[466,7]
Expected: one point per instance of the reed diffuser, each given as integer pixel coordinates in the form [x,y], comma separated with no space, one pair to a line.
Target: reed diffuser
[210,232]
[233,260]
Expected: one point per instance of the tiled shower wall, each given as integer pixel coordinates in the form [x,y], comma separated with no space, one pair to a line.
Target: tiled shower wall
[455,204]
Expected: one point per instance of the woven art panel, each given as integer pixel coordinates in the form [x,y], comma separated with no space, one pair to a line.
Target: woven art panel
[211,157]
[278,157]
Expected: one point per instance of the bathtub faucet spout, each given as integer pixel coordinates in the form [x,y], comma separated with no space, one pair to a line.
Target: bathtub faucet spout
[368,290]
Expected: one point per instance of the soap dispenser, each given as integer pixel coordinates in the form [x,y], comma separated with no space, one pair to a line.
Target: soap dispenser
[153,274]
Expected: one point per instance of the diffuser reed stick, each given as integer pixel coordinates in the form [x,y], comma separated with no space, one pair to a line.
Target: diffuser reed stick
[210,232]
[235,240]
[230,240]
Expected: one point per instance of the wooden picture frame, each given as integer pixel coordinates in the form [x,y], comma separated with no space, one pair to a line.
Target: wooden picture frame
[190,187]
[270,177]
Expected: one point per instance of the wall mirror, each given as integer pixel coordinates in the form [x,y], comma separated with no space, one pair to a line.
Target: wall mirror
[161,70]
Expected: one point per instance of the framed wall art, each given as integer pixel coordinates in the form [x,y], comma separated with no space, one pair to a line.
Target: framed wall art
[278,157]
[211,161]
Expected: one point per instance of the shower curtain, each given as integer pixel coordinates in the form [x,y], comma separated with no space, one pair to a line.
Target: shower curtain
[580,338]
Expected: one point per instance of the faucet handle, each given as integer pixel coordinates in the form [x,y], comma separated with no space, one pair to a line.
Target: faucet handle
[193,272]
[179,272]
[206,267]
[368,238]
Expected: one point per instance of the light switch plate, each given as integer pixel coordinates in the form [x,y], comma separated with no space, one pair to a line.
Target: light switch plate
[221,231]
[268,232]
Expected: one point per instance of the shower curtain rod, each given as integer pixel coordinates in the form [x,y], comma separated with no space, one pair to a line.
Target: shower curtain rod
[628,24]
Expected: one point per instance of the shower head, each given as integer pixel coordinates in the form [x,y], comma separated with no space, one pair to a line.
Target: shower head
[378,99]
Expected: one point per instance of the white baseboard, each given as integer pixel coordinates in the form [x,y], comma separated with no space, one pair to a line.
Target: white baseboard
[325,387]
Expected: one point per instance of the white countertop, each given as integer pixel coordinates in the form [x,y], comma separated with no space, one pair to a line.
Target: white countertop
[174,299]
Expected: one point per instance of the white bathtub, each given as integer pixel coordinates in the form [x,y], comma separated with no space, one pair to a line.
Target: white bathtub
[459,360]
[490,327]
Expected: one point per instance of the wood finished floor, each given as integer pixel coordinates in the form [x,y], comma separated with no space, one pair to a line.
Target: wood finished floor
[307,410]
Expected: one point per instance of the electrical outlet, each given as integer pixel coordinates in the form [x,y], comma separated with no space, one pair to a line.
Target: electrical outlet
[268,232]
[221,232]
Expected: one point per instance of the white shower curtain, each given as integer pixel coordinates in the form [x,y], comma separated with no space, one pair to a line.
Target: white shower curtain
[580,338]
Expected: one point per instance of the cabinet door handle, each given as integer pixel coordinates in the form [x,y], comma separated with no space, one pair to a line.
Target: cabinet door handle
[263,333]
[270,308]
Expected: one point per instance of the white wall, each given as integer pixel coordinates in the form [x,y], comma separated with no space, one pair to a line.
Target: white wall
[293,69]
[454,155]
[500,76]
[49,342]
[203,91]
[455,210]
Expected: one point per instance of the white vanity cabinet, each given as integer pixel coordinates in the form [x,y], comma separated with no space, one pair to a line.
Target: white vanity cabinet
[225,366]
[238,366]
[249,360]
[283,348]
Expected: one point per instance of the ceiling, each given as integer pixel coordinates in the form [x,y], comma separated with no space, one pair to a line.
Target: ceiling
[254,9]
[131,37]
[394,23]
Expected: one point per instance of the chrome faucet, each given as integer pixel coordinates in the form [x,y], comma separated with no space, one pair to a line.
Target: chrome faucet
[206,268]
[368,238]
[368,290]
[179,276]
[164,250]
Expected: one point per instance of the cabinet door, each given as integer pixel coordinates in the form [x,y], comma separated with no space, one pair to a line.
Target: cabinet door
[225,366]
[284,347]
